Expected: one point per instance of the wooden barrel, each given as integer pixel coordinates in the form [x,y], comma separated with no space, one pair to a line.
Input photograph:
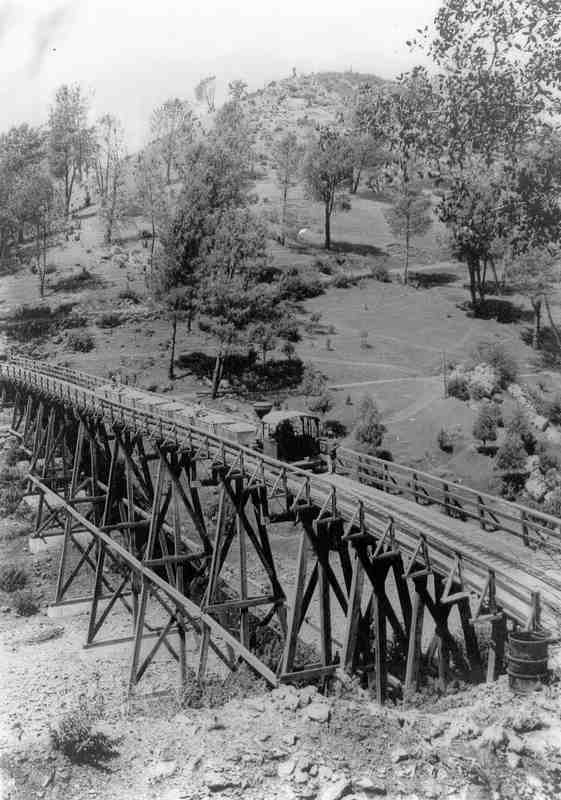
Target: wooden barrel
[527,660]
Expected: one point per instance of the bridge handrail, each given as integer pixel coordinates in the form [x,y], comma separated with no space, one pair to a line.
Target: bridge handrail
[377,518]
[454,498]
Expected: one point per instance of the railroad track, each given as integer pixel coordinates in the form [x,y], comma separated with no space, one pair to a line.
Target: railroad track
[494,567]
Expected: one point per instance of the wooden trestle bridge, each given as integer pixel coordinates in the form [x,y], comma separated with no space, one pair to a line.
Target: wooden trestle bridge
[155,509]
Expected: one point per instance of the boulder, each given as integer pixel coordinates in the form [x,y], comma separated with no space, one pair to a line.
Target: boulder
[536,486]
[318,712]
[334,791]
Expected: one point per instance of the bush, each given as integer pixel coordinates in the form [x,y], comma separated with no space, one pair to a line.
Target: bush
[80,342]
[75,737]
[498,357]
[244,373]
[554,410]
[552,503]
[549,456]
[78,282]
[334,428]
[343,281]
[380,273]
[129,294]
[511,456]
[369,429]
[482,382]
[12,578]
[519,426]
[321,404]
[313,380]
[297,288]
[485,425]
[445,440]
[25,603]
[109,320]
[458,386]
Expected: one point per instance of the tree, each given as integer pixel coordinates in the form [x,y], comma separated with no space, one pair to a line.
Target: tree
[234,299]
[205,92]
[369,429]
[408,216]
[71,141]
[237,90]
[152,196]
[287,160]
[534,273]
[109,171]
[44,211]
[485,425]
[171,126]
[327,167]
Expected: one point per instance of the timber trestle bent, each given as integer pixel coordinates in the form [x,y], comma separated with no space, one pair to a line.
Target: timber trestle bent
[164,516]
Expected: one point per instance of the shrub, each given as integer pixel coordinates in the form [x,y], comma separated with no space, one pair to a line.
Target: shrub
[78,282]
[297,288]
[380,273]
[74,320]
[552,503]
[482,382]
[334,428]
[322,404]
[12,578]
[313,380]
[343,281]
[458,386]
[129,294]
[499,358]
[548,455]
[25,603]
[511,456]
[485,425]
[369,429]
[80,342]
[554,410]
[519,426]
[109,319]
[445,440]
[75,737]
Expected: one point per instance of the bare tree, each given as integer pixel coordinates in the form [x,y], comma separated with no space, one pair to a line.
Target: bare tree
[171,126]
[205,92]
[109,171]
[287,159]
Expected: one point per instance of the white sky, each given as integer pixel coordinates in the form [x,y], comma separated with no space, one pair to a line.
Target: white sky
[133,54]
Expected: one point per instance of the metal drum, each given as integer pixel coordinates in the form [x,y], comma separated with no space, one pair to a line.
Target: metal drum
[527,660]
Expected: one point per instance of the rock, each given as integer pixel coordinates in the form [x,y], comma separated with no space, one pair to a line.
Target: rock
[306,695]
[325,773]
[493,737]
[318,712]
[286,768]
[512,760]
[515,743]
[255,704]
[532,464]
[334,791]
[217,782]
[399,754]
[290,739]
[431,788]
[161,770]
[370,786]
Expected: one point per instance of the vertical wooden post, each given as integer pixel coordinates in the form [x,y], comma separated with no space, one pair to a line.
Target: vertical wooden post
[415,638]
[380,648]
[352,622]
[242,543]
[496,647]
[68,521]
[324,601]
[295,608]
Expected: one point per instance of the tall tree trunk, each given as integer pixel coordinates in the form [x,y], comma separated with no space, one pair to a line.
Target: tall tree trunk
[472,284]
[283,214]
[356,180]
[495,276]
[217,374]
[168,171]
[327,227]
[537,306]
[171,371]
[551,322]
[406,267]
